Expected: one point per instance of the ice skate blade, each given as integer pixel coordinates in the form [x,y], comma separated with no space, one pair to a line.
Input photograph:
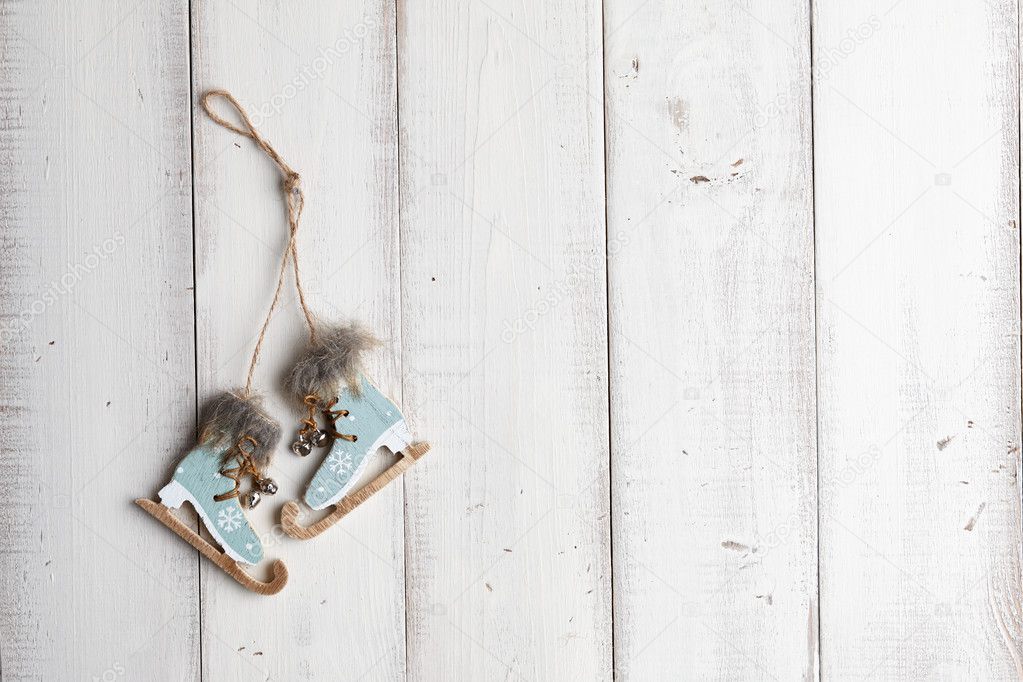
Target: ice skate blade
[289,514]
[226,563]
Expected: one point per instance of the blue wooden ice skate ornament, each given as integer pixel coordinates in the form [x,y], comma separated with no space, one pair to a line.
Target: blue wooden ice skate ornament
[358,421]
[209,478]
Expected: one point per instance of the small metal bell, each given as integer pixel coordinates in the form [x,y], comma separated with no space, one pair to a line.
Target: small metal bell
[252,499]
[267,486]
[319,438]
[301,447]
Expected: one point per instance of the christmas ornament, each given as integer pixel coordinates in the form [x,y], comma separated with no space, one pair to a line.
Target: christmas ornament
[358,420]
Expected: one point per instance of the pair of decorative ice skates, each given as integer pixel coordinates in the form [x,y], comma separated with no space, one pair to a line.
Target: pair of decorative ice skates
[340,412]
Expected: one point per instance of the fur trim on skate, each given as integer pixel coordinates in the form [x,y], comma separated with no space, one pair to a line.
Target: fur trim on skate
[335,359]
[228,417]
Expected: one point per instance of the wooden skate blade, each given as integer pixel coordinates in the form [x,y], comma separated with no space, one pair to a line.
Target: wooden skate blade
[226,563]
[289,514]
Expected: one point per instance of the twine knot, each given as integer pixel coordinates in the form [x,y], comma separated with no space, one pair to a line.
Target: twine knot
[291,182]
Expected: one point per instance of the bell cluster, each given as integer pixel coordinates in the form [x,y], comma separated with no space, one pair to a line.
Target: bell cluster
[264,486]
[307,440]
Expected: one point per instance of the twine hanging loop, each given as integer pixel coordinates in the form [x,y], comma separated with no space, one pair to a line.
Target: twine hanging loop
[295,200]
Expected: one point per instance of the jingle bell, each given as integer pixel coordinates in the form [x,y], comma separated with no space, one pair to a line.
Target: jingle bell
[319,438]
[267,486]
[252,499]
[301,447]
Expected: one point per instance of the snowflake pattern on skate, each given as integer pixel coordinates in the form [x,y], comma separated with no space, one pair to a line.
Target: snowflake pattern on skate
[340,465]
[229,519]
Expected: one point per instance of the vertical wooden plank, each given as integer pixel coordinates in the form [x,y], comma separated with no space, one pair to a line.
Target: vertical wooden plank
[712,340]
[96,347]
[503,293]
[319,80]
[919,321]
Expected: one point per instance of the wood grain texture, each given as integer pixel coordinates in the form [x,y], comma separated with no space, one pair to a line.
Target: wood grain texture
[712,340]
[319,80]
[96,350]
[919,320]
[503,296]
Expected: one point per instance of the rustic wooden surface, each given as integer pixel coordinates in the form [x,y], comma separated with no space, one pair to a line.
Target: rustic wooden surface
[710,220]
[710,313]
[919,351]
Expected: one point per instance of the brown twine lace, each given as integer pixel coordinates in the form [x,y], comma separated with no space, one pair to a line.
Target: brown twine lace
[246,467]
[333,415]
[309,425]
[313,404]
[296,202]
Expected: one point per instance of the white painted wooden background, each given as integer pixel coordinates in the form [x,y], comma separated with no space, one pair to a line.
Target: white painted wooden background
[710,310]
